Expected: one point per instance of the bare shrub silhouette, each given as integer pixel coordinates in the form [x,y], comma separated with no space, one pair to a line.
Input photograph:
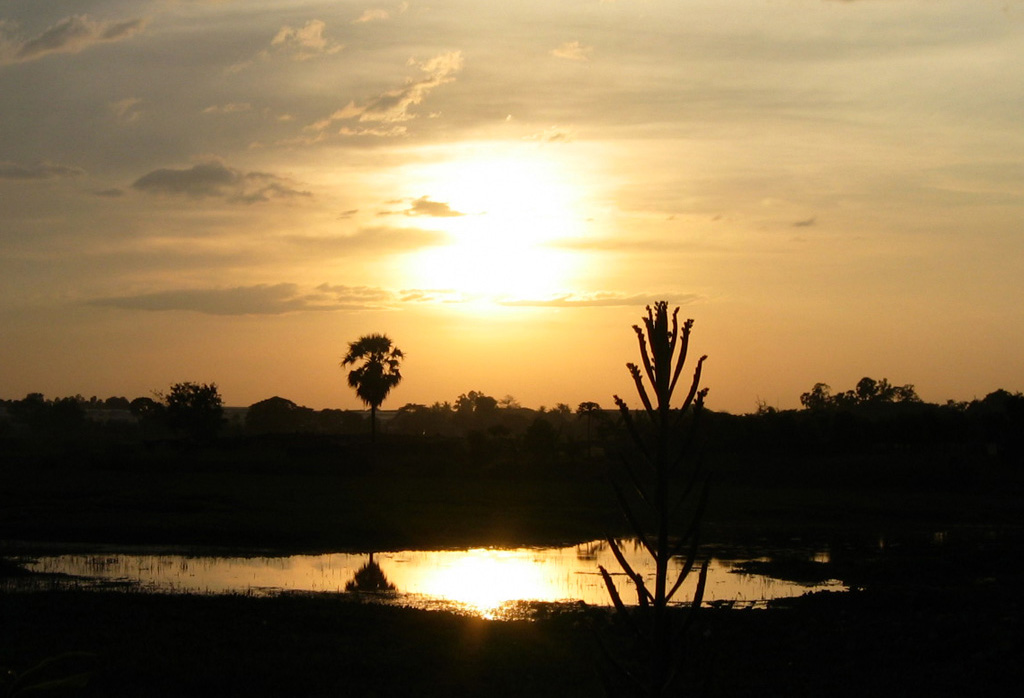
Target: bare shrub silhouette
[663,500]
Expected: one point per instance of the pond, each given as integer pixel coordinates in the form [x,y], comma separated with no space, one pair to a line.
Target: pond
[481,581]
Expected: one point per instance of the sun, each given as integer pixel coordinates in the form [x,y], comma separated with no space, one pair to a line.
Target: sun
[501,211]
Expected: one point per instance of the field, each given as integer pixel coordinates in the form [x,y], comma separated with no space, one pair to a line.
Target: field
[927,619]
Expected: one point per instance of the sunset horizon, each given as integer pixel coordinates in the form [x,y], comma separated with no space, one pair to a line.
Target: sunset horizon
[231,193]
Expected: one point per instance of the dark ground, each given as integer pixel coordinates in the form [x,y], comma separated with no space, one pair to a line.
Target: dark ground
[856,644]
[935,616]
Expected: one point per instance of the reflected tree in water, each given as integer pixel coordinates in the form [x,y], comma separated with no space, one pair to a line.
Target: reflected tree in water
[662,492]
[369,577]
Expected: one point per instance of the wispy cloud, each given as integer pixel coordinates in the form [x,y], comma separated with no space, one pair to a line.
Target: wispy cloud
[377,14]
[431,295]
[601,300]
[423,206]
[372,15]
[573,51]
[303,43]
[229,108]
[554,134]
[126,110]
[43,170]
[299,43]
[385,113]
[214,179]
[614,244]
[378,239]
[260,299]
[69,35]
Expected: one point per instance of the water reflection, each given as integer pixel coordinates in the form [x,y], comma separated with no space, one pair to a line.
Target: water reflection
[369,578]
[480,581]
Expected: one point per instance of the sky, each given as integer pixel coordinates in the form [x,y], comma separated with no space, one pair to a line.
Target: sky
[231,191]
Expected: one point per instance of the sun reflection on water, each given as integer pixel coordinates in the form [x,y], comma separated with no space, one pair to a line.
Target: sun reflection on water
[484,580]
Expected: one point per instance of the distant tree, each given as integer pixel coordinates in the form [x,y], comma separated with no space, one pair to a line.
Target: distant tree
[195,409]
[475,402]
[588,410]
[819,397]
[31,412]
[146,409]
[509,403]
[541,438]
[116,403]
[61,416]
[413,418]
[277,415]
[377,373]
[868,391]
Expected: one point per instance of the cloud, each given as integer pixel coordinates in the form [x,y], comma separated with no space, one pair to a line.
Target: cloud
[69,35]
[432,295]
[125,109]
[642,245]
[601,300]
[110,193]
[281,298]
[379,239]
[372,16]
[306,42]
[229,108]
[807,223]
[355,296]
[573,51]
[378,14]
[261,299]
[43,170]
[387,112]
[555,134]
[214,179]
[423,206]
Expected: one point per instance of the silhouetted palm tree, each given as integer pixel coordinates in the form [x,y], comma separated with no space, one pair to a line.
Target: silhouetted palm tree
[377,375]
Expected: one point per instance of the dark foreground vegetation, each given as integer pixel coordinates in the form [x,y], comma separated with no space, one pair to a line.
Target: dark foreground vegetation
[957,637]
[920,504]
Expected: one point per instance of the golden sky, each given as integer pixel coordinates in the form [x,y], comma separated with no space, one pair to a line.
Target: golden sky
[230,191]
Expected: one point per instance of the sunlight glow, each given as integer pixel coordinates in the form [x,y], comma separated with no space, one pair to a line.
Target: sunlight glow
[484,580]
[501,208]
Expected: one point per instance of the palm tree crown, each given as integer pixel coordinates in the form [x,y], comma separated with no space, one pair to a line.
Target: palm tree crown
[378,371]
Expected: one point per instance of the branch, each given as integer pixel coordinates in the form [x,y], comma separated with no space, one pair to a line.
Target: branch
[644,354]
[698,598]
[612,591]
[696,383]
[672,339]
[633,521]
[627,418]
[694,525]
[687,326]
[643,596]
[635,481]
[635,372]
